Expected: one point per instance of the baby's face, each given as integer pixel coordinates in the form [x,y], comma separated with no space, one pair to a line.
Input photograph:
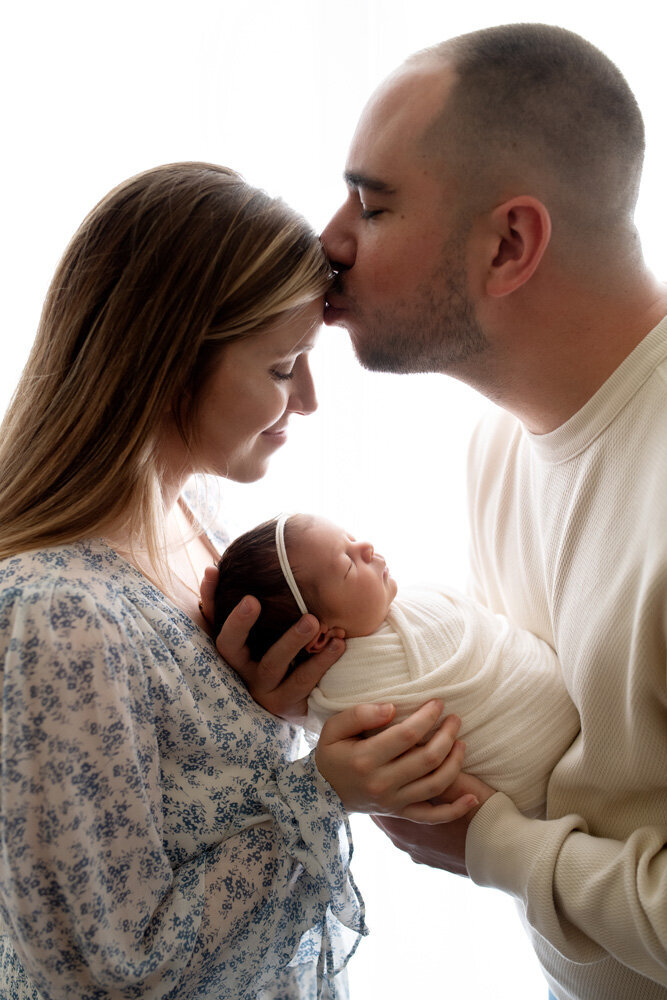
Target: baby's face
[344,582]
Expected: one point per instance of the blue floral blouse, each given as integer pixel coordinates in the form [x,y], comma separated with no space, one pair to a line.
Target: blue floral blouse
[159,838]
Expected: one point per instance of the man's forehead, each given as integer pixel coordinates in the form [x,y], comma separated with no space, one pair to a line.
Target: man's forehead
[415,92]
[395,118]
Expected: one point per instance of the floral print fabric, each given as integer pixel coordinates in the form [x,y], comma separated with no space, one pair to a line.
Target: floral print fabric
[159,837]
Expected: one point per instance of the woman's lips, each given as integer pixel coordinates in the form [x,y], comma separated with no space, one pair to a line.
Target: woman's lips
[276,435]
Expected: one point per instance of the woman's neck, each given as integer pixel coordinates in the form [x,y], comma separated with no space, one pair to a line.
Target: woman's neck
[186,550]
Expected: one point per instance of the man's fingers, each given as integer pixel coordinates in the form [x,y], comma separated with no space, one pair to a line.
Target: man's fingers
[399,830]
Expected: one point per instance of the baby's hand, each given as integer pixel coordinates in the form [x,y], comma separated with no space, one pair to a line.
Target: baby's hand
[284,696]
[392,773]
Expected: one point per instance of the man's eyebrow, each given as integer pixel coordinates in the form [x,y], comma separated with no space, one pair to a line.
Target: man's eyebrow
[363,181]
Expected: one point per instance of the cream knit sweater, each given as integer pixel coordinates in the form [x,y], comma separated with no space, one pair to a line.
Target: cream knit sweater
[569,537]
[504,683]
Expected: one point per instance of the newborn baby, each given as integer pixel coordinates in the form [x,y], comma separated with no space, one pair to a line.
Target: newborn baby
[504,683]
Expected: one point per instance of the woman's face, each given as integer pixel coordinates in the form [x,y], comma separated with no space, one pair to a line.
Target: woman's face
[242,417]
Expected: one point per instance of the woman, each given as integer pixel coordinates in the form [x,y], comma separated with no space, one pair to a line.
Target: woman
[159,838]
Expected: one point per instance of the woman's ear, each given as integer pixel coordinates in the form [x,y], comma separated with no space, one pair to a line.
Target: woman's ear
[317,644]
[521,229]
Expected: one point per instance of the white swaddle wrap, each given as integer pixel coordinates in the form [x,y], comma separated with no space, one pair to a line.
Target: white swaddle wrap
[504,683]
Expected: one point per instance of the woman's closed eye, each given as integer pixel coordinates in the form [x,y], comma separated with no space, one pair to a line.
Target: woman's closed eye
[281,376]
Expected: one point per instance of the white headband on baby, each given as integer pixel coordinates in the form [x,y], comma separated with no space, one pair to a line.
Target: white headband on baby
[284,563]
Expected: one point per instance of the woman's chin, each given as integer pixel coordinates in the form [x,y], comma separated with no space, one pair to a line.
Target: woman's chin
[248,475]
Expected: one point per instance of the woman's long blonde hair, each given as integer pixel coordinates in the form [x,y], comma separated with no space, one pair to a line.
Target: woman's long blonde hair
[166,269]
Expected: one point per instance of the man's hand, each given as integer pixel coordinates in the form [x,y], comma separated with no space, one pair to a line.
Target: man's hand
[442,846]
[393,772]
[286,697]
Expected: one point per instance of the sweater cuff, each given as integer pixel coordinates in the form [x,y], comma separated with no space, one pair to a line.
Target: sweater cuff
[508,851]
[503,847]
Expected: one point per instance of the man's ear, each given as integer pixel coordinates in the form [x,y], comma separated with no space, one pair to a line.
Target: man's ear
[317,644]
[521,229]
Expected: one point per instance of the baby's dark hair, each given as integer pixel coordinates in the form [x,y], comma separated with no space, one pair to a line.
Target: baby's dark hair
[250,565]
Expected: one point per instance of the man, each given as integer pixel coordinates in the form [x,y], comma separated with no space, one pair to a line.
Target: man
[488,234]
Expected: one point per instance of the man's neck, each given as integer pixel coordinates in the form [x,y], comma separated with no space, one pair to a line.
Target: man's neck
[543,366]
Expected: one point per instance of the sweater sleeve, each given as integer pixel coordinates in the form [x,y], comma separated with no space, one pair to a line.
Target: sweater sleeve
[89,895]
[588,896]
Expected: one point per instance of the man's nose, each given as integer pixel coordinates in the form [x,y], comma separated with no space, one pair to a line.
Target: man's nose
[339,242]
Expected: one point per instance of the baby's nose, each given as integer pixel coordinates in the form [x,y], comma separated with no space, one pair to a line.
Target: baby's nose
[367,551]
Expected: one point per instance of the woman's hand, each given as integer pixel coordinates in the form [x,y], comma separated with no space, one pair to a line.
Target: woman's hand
[286,697]
[392,772]
[441,846]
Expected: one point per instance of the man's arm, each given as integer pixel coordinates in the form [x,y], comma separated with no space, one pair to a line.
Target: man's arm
[588,896]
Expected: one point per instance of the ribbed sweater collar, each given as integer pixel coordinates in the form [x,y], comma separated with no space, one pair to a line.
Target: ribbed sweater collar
[594,417]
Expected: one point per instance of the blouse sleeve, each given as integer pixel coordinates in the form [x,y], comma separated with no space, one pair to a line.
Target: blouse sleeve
[89,897]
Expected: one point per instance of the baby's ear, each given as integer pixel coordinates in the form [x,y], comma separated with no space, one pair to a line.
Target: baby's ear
[317,644]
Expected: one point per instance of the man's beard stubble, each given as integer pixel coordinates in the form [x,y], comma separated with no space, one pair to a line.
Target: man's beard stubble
[436,332]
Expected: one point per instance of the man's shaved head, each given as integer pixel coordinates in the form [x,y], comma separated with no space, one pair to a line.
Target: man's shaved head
[536,109]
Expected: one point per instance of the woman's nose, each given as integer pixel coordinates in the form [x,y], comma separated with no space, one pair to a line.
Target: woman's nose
[303,398]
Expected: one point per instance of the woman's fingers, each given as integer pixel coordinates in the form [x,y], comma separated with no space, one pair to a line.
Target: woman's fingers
[465,793]
[392,770]
[393,794]
[233,636]
[271,669]
[446,812]
[207,593]
[356,720]
[289,698]
[428,786]
[303,678]
[385,746]
[425,758]
[267,681]
[275,663]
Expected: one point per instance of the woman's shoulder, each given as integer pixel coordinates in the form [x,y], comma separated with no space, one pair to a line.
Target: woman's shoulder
[87,589]
[88,564]
[52,580]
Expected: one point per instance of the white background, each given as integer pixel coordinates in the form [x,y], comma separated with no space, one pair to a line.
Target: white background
[93,92]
